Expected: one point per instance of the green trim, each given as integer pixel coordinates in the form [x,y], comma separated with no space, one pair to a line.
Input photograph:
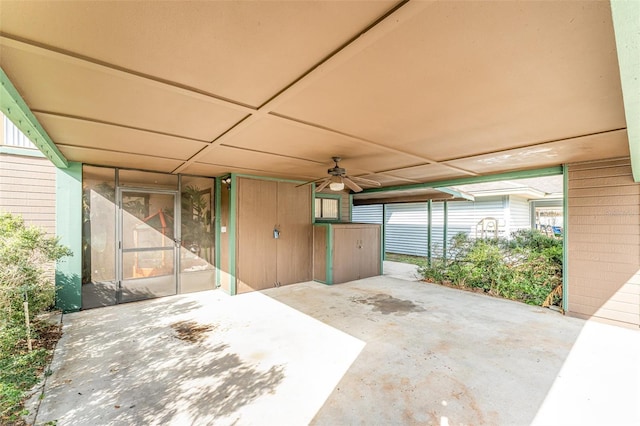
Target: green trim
[240,175]
[549,171]
[331,197]
[25,152]
[16,109]
[445,230]
[217,224]
[382,252]
[429,228]
[350,207]
[329,265]
[313,203]
[626,26]
[233,207]
[383,243]
[69,230]
[456,194]
[565,238]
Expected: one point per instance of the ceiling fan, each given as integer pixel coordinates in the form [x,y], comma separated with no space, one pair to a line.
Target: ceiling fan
[338,178]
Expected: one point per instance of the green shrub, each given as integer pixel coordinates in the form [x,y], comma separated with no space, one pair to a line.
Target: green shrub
[526,267]
[25,251]
[24,254]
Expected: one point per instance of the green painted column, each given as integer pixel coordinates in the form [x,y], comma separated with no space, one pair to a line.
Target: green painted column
[429,223]
[216,226]
[626,25]
[445,231]
[384,232]
[233,203]
[69,230]
[565,238]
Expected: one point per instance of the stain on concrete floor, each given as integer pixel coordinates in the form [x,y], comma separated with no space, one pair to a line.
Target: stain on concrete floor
[387,304]
[191,331]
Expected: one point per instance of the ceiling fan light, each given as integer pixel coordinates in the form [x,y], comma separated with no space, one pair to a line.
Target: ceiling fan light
[336,186]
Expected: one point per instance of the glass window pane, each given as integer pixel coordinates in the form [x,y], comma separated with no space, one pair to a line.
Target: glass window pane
[318,208]
[144,264]
[196,200]
[329,208]
[139,179]
[147,220]
[98,224]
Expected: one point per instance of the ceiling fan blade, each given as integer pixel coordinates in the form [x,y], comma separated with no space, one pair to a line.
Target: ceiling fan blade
[324,184]
[365,181]
[351,184]
[311,181]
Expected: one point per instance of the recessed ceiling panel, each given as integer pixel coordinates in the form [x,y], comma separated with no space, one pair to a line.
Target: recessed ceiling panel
[463,78]
[595,147]
[71,88]
[283,137]
[202,169]
[88,134]
[118,159]
[428,173]
[261,162]
[246,51]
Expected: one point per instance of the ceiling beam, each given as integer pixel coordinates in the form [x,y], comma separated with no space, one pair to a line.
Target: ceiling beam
[16,109]
[626,26]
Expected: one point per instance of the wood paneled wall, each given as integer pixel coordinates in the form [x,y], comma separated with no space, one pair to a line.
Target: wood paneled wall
[604,242]
[262,260]
[28,188]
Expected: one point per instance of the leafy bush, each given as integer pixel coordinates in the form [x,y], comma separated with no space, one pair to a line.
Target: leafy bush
[526,268]
[24,254]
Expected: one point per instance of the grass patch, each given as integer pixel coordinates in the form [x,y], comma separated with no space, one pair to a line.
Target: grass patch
[406,258]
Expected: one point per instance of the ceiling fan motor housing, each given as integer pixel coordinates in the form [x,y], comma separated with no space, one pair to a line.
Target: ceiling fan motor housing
[337,171]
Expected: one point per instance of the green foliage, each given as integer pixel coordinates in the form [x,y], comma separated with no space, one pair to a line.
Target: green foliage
[525,268]
[24,253]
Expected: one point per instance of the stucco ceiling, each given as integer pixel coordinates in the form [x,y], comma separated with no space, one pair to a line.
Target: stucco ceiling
[404,92]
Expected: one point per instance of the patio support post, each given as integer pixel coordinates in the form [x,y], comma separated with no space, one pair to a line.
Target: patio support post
[444,238]
[429,223]
[69,230]
[565,238]
[384,232]
[233,203]
[216,226]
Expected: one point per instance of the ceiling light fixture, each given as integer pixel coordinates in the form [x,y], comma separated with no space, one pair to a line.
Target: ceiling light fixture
[336,186]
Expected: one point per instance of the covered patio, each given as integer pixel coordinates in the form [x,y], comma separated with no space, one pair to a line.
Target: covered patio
[383,350]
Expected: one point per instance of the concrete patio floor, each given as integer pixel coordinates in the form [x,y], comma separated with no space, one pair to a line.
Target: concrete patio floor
[384,350]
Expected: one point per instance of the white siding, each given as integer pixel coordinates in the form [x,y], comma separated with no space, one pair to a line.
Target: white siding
[368,214]
[437,228]
[406,229]
[463,216]
[520,212]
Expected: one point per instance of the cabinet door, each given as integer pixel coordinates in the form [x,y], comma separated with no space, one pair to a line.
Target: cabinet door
[294,246]
[369,252]
[256,247]
[346,254]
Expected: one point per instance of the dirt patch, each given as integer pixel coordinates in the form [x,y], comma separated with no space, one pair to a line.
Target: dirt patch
[386,304]
[191,331]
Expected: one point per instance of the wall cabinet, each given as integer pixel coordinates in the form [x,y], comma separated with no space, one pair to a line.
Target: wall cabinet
[346,252]
[274,234]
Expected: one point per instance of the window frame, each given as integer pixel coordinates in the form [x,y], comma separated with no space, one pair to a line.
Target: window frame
[321,196]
